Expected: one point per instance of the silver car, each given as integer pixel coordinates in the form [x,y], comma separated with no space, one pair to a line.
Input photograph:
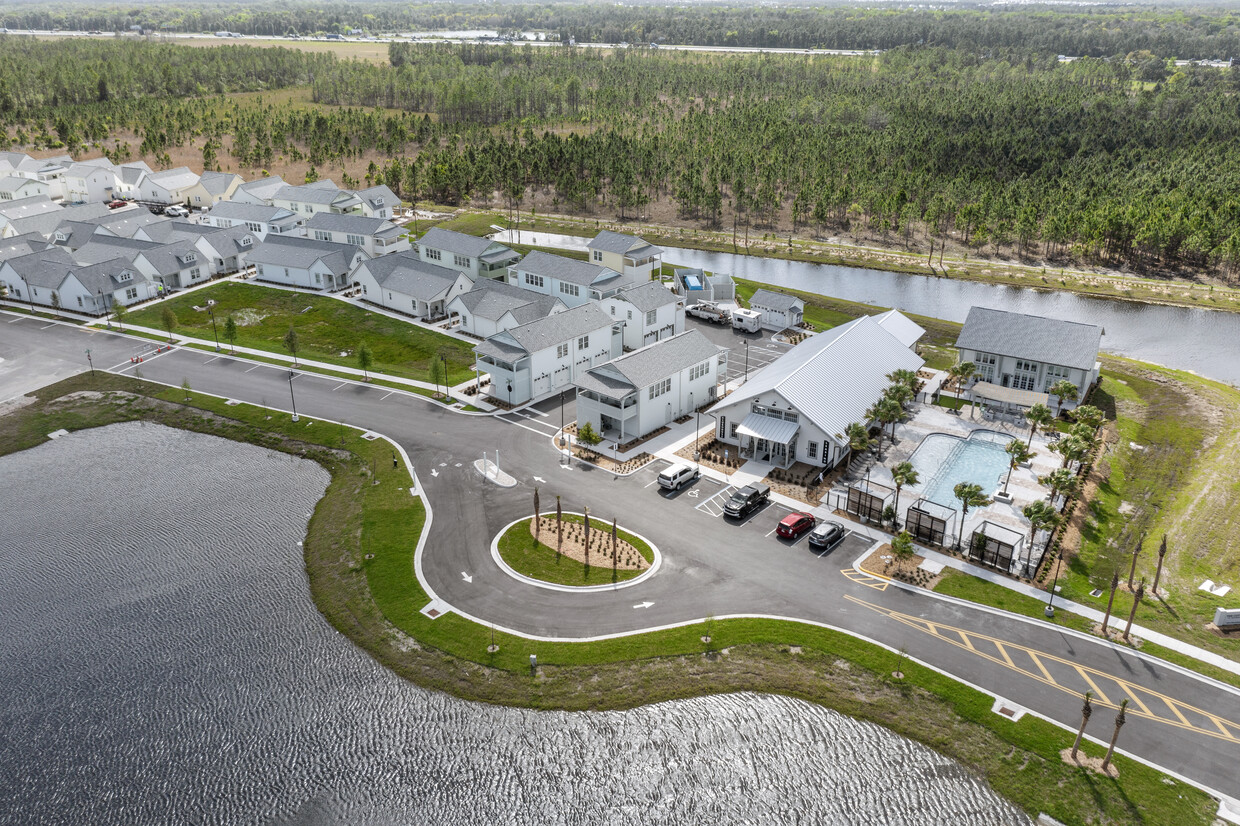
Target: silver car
[827,535]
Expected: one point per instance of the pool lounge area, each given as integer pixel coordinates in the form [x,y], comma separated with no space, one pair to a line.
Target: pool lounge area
[944,460]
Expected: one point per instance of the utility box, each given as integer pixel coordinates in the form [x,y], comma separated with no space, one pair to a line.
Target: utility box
[1227,619]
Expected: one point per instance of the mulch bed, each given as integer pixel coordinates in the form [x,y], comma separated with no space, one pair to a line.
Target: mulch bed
[574,546]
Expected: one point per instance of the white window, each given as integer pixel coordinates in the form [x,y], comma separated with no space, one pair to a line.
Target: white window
[561,351]
[434,255]
[598,256]
[131,293]
[733,431]
[464,319]
[660,388]
[613,309]
[570,289]
[699,370]
[253,227]
[322,235]
[583,342]
[533,280]
[630,313]
[245,241]
[258,268]
[460,260]
[125,275]
[811,450]
[286,272]
[194,274]
[651,317]
[382,213]
[318,278]
[79,298]
[723,426]
[985,364]
[355,240]
[189,256]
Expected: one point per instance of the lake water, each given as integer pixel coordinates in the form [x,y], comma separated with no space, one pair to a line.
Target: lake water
[161,662]
[1202,341]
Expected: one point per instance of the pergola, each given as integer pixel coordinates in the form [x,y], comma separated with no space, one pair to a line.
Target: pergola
[867,499]
[1008,397]
[929,522]
[995,546]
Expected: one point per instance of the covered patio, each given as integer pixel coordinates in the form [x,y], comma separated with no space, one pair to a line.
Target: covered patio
[1007,399]
[767,439]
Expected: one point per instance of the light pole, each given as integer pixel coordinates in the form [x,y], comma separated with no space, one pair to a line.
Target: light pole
[214,329]
[91,362]
[106,315]
[291,376]
[1050,606]
[561,418]
[746,361]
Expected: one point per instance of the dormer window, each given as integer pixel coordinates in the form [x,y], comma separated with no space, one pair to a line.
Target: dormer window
[245,241]
[125,275]
[60,236]
[189,256]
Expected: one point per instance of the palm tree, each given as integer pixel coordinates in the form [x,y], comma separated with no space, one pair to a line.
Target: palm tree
[1071,449]
[1018,453]
[1040,418]
[970,496]
[1120,719]
[887,411]
[1090,415]
[902,474]
[858,437]
[1061,480]
[1063,390]
[899,393]
[961,373]
[906,378]
[1086,711]
[1040,515]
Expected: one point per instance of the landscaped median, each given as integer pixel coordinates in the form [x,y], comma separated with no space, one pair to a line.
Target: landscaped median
[581,553]
[359,553]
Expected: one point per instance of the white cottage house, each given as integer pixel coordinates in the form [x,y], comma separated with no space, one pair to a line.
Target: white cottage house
[260,192]
[51,277]
[779,310]
[407,284]
[491,306]
[306,263]
[171,186]
[649,312]
[545,356]
[626,254]
[259,219]
[175,266]
[573,282]
[375,235]
[480,257]
[1028,354]
[647,389]
[16,188]
[797,408]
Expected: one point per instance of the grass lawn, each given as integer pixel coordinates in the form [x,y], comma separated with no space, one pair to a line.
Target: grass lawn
[377,601]
[326,328]
[528,556]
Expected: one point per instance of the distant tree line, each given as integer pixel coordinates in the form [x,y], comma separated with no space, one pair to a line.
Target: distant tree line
[1196,31]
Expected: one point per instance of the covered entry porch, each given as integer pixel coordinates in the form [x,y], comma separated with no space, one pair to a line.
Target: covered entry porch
[770,440]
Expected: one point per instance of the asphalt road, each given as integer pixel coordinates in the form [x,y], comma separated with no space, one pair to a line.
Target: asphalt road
[1182,722]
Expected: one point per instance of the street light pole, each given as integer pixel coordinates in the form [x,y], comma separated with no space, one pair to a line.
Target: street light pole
[214,329]
[561,418]
[291,376]
[91,362]
[107,316]
[746,361]
[1050,606]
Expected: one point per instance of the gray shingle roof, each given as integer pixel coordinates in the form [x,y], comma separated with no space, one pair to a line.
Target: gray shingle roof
[169,259]
[301,253]
[771,300]
[314,193]
[491,299]
[46,223]
[20,245]
[258,213]
[407,274]
[378,196]
[11,183]
[226,242]
[1048,340]
[106,248]
[356,224]
[178,178]
[548,332]
[565,269]
[45,268]
[26,207]
[655,362]
[457,243]
[217,183]
[264,188]
[608,241]
[106,275]
[649,296]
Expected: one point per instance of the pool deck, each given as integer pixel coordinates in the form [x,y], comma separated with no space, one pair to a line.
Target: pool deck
[1024,487]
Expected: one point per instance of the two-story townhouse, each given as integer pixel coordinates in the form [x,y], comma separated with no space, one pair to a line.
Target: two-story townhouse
[17,188]
[44,221]
[375,235]
[90,181]
[1028,354]
[14,211]
[170,186]
[306,263]
[212,188]
[48,171]
[128,176]
[649,312]
[797,408]
[376,202]
[626,254]
[573,282]
[533,360]
[407,284]
[260,219]
[310,199]
[174,266]
[479,257]
[648,388]
[491,306]
[51,278]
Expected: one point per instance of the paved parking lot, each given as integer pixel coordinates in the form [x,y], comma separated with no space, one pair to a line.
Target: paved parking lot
[756,349]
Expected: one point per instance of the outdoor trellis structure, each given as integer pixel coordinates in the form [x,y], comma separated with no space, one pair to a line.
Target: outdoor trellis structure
[867,500]
[930,523]
[995,546]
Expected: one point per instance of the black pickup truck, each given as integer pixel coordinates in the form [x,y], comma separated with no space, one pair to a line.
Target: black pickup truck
[747,500]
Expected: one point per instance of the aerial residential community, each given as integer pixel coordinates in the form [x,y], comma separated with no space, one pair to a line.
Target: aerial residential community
[381,484]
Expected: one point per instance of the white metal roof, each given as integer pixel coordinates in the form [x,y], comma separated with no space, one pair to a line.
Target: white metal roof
[901,326]
[833,377]
[779,431]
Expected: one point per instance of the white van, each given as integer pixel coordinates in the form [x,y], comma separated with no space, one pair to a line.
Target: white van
[677,476]
[748,320]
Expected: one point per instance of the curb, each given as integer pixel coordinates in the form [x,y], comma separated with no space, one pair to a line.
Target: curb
[574,589]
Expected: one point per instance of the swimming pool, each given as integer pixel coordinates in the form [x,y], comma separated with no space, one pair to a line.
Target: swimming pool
[943,461]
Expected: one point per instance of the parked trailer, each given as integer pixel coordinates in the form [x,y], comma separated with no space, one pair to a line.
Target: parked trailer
[749,321]
[709,311]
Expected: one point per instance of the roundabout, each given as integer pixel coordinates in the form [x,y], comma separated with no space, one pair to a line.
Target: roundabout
[557,558]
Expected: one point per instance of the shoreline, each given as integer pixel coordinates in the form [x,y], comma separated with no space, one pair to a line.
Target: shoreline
[377,603]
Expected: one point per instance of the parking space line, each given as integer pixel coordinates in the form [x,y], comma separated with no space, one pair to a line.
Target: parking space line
[208,361]
[772,530]
[337,387]
[255,367]
[388,394]
[53,324]
[19,318]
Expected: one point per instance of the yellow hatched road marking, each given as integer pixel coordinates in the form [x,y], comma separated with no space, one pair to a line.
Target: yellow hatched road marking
[874,581]
[1098,692]
[1227,730]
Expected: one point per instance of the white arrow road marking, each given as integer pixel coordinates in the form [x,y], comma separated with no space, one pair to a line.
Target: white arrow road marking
[458,464]
[466,577]
[443,464]
[646,604]
[540,479]
[434,472]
